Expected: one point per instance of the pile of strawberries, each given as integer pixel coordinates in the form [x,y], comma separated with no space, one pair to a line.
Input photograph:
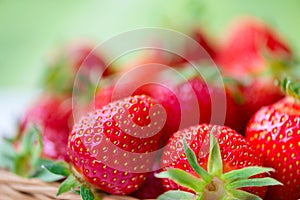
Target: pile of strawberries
[158,137]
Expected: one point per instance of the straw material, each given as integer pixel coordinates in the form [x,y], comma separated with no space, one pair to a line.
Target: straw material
[13,187]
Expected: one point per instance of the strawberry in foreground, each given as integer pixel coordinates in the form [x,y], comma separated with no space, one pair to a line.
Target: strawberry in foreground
[231,165]
[275,131]
[113,149]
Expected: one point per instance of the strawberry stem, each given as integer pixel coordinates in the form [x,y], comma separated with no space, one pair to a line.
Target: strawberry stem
[290,88]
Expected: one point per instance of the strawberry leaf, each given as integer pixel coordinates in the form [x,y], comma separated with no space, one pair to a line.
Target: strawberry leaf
[47,176]
[21,165]
[183,178]
[245,173]
[194,164]
[26,160]
[7,154]
[290,87]
[36,141]
[215,165]
[86,193]
[242,195]
[58,168]
[254,182]
[69,184]
[176,194]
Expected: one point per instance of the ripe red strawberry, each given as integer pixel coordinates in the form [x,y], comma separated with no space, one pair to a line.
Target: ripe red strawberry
[274,131]
[113,148]
[185,160]
[193,96]
[53,116]
[215,103]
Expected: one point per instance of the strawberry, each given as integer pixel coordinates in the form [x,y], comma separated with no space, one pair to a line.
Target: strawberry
[112,149]
[230,162]
[255,55]
[215,104]
[209,102]
[53,116]
[274,132]
[192,96]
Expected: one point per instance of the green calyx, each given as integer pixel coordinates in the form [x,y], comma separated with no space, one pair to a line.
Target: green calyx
[22,155]
[213,184]
[72,182]
[290,87]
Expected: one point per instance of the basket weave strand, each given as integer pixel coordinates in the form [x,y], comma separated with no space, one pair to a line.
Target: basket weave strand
[13,187]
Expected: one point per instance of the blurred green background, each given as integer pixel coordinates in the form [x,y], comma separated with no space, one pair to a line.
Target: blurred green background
[30,29]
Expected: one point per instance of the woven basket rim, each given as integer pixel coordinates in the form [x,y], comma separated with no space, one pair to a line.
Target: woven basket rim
[15,187]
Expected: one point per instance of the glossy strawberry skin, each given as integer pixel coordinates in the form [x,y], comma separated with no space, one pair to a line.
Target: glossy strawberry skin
[274,131]
[53,116]
[166,97]
[235,150]
[111,147]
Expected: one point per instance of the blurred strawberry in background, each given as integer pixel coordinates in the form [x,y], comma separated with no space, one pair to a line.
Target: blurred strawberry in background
[249,47]
[256,55]
[52,115]
[75,59]
[206,51]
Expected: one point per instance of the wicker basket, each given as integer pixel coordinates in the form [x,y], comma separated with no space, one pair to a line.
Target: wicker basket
[13,187]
